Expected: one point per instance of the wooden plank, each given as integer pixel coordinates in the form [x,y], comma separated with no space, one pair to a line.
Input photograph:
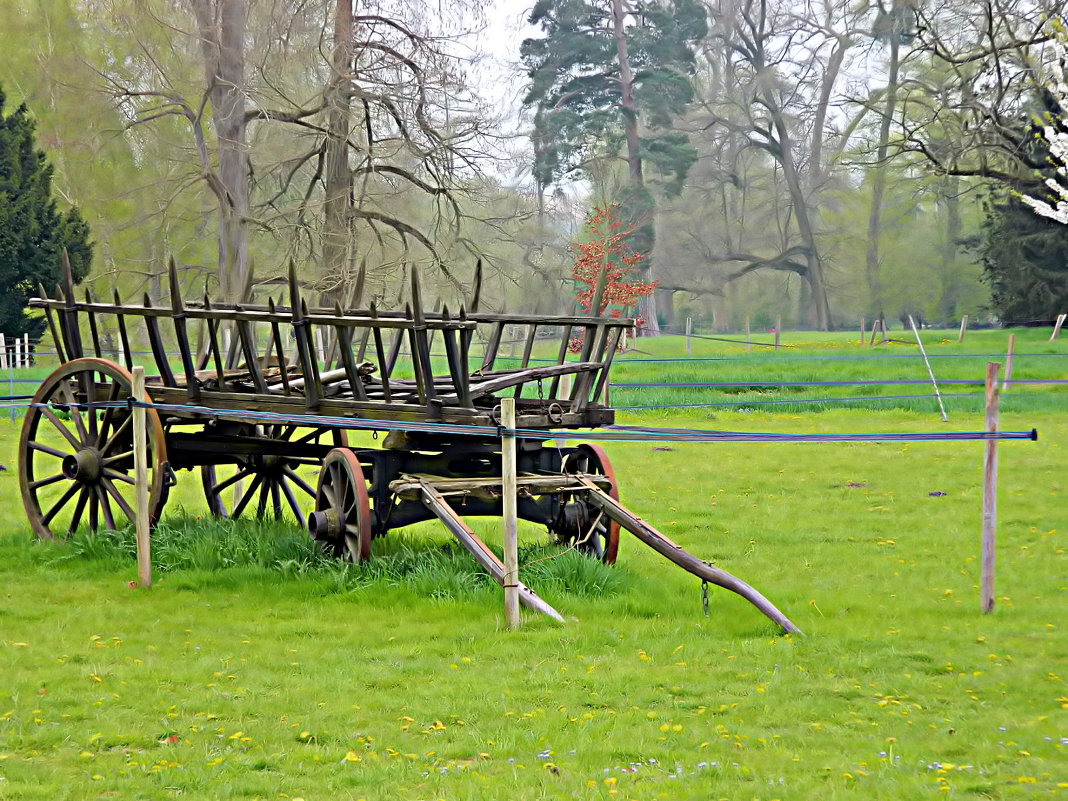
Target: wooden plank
[51,327]
[276,334]
[159,352]
[94,334]
[602,379]
[493,346]
[457,366]
[181,336]
[252,362]
[213,344]
[483,388]
[344,336]
[384,367]
[308,367]
[124,336]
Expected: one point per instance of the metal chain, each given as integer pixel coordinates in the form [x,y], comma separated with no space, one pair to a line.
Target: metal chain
[704,597]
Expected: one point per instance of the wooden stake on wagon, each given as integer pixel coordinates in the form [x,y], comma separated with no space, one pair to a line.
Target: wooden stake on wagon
[508,515]
[963,328]
[140,449]
[990,488]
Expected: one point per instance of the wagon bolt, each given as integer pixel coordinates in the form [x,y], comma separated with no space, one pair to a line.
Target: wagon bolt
[83,466]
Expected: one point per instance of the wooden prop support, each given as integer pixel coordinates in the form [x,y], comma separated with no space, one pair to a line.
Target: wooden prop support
[140,449]
[930,372]
[1010,351]
[990,489]
[963,328]
[509,515]
[1057,326]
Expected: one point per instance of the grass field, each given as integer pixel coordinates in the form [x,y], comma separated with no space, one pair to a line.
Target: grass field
[256,669]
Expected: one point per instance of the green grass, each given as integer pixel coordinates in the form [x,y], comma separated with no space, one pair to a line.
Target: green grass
[256,669]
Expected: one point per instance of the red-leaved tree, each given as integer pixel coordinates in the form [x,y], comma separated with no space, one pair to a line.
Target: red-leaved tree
[606,268]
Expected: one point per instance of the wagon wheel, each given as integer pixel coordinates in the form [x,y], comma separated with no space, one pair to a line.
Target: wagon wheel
[271,482]
[76,451]
[342,517]
[577,516]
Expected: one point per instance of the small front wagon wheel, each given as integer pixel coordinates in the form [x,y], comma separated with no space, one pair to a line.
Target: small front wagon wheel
[342,517]
[76,451]
[581,524]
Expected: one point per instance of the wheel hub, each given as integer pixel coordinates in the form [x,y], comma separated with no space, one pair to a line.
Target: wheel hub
[327,525]
[84,466]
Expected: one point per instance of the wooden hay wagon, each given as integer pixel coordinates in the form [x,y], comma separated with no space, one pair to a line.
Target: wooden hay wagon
[266,400]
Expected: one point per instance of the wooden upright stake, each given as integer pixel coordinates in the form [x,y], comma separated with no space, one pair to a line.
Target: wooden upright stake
[748,341]
[1057,326]
[963,328]
[1008,362]
[689,331]
[508,514]
[863,330]
[140,449]
[778,329]
[990,487]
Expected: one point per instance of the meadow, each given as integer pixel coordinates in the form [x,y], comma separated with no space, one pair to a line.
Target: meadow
[256,668]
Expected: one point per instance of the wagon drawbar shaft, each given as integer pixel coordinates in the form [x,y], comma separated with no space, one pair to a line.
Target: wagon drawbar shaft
[263,404]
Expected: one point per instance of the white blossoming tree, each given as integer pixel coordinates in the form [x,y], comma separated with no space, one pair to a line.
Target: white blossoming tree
[1055,205]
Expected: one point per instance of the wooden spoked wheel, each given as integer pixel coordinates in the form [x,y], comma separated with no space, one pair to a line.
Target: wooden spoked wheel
[342,517]
[580,523]
[76,455]
[259,483]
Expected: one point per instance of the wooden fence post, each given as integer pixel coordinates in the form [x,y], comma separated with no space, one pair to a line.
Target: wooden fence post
[963,328]
[18,352]
[990,488]
[863,330]
[140,449]
[26,349]
[778,329]
[689,331]
[748,341]
[508,515]
[1057,326]
[3,352]
[1008,362]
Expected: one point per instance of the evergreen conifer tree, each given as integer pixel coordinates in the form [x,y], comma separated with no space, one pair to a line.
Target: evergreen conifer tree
[33,232]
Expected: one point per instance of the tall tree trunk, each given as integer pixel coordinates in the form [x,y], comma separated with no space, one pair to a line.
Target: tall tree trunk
[337,177]
[878,186]
[222,24]
[821,311]
[646,304]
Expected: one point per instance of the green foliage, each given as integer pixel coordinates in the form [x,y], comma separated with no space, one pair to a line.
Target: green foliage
[1025,261]
[576,85]
[32,231]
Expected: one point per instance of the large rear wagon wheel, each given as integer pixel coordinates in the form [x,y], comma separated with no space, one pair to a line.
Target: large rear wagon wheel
[581,524]
[76,451]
